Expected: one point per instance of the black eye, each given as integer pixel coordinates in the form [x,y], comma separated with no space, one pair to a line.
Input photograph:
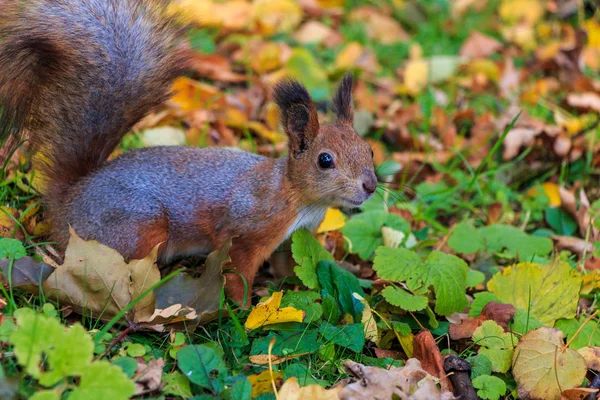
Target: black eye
[372,154]
[325,160]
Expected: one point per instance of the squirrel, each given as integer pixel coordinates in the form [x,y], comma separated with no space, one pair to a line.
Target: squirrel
[77,75]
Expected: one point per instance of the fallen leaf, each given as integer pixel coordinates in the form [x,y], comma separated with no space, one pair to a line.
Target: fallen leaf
[262,382]
[591,355]
[552,191]
[408,382]
[215,67]
[317,32]
[548,292]
[498,312]
[425,350]
[263,359]
[291,390]
[578,393]
[25,271]
[584,101]
[334,220]
[268,313]
[148,377]
[380,27]
[275,16]
[479,45]
[543,366]
[163,136]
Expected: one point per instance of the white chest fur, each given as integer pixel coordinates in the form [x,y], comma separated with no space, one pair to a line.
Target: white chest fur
[308,217]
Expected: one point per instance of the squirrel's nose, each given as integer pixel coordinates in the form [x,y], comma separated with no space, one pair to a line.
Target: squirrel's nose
[370,183]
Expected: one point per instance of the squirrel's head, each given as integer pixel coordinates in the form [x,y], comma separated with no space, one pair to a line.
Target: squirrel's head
[330,163]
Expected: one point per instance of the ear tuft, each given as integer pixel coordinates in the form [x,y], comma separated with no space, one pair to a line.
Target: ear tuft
[298,114]
[342,101]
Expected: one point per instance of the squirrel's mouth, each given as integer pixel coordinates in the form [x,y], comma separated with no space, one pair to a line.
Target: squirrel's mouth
[352,203]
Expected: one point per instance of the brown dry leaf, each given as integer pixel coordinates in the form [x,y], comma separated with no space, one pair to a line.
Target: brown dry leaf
[428,353]
[318,32]
[215,67]
[148,377]
[479,45]
[408,382]
[584,101]
[291,390]
[380,27]
[543,366]
[96,278]
[498,312]
[578,393]
[573,244]
[591,355]
[25,271]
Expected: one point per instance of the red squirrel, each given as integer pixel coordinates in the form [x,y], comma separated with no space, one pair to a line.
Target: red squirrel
[78,74]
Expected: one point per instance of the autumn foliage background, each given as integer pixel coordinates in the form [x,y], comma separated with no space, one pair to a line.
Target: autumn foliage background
[480,247]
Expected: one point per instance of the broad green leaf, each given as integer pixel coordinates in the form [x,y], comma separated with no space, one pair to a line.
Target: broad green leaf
[480,365]
[481,299]
[101,381]
[474,278]
[465,238]
[349,336]
[548,292]
[68,356]
[588,336]
[6,329]
[293,341]
[364,231]
[401,298]
[305,301]
[46,395]
[448,275]
[241,390]
[303,66]
[489,387]
[136,350]
[11,248]
[203,365]
[177,385]
[307,252]
[496,345]
[398,265]
[515,242]
[340,284]
[301,373]
[127,364]
[523,322]
[560,221]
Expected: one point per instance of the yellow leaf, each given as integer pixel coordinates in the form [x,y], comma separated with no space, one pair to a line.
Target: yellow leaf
[593,31]
[8,216]
[263,359]
[591,355]
[334,220]
[276,16]
[416,76]
[191,95]
[549,292]
[349,55]
[543,366]
[331,3]
[291,390]
[261,383]
[269,313]
[406,342]
[268,58]
[591,282]
[486,67]
[521,11]
[233,15]
[551,190]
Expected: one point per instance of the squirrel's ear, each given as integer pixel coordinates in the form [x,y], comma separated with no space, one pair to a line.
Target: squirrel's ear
[342,101]
[298,115]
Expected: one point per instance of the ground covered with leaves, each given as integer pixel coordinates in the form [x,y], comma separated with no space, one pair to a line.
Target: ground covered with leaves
[474,270]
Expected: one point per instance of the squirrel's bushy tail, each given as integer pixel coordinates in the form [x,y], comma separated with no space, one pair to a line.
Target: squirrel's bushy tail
[77,74]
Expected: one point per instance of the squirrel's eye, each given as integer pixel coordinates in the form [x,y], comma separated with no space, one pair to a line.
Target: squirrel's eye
[372,154]
[325,160]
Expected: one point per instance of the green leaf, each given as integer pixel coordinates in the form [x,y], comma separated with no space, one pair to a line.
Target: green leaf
[349,336]
[203,365]
[177,385]
[305,301]
[560,221]
[401,298]
[398,265]
[46,395]
[293,341]
[6,329]
[481,299]
[307,252]
[303,66]
[364,231]
[515,242]
[301,373]
[101,381]
[241,390]
[474,278]
[11,248]
[490,387]
[136,350]
[589,335]
[127,364]
[480,365]
[523,322]
[448,274]
[496,345]
[340,284]
[465,238]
